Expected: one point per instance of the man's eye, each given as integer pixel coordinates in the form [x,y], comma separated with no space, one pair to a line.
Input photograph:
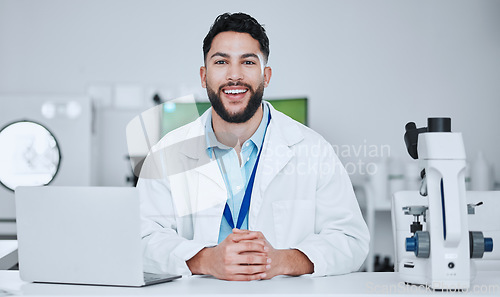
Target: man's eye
[249,63]
[220,62]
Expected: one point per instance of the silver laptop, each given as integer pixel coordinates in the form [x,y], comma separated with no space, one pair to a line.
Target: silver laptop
[81,235]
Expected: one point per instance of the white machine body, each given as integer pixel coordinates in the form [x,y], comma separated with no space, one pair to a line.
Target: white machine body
[448,265]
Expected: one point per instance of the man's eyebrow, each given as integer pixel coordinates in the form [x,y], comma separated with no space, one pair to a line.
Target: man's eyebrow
[219,54]
[249,55]
[225,55]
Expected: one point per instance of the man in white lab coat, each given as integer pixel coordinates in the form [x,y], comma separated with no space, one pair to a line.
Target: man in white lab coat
[245,192]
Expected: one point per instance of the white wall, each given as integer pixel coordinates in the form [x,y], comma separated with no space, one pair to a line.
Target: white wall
[367,67]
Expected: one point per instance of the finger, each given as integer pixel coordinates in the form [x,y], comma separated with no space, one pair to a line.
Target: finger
[253,259]
[248,269]
[255,269]
[254,253]
[254,240]
[249,246]
[257,234]
[247,277]
[245,231]
[243,236]
[268,275]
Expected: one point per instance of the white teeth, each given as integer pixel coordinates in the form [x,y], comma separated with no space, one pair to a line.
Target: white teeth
[234,91]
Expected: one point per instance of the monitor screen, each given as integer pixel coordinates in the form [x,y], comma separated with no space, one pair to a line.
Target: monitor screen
[174,115]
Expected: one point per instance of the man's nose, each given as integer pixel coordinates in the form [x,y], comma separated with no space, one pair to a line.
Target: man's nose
[234,72]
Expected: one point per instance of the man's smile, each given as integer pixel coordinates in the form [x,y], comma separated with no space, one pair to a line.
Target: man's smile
[235,93]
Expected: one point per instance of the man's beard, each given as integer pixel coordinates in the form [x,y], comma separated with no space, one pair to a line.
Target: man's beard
[243,116]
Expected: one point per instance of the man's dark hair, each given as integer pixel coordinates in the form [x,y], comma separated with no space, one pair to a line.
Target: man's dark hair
[237,22]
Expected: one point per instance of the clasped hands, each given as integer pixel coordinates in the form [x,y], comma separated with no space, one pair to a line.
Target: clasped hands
[246,255]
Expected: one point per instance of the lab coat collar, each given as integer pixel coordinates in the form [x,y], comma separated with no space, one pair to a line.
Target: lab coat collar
[285,133]
[282,133]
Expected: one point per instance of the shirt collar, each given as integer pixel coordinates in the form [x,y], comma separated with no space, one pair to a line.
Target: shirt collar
[257,138]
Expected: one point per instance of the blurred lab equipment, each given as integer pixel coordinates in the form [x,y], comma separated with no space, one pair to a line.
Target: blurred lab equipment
[44,139]
[481,174]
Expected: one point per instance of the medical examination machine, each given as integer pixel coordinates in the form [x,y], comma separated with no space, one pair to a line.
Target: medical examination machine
[439,247]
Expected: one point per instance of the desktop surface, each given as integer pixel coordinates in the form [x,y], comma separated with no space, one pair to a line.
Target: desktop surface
[486,283]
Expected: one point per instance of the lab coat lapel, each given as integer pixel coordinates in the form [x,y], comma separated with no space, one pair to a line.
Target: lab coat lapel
[211,195]
[195,148]
[210,171]
[211,199]
[275,156]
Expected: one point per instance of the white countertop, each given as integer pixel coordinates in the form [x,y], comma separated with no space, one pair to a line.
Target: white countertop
[363,283]
[8,254]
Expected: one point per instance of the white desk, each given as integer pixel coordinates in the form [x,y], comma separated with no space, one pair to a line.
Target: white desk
[355,284]
[8,254]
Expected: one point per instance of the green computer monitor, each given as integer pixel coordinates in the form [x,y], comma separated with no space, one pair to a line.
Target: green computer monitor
[175,115]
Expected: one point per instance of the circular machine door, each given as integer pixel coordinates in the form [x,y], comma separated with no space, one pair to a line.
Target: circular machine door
[29,155]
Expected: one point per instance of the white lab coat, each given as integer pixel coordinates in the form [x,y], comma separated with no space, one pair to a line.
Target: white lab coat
[302,199]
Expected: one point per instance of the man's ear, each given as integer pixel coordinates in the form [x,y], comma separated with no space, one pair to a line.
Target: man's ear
[203,76]
[267,75]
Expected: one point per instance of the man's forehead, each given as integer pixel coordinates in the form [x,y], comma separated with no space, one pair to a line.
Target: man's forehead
[235,44]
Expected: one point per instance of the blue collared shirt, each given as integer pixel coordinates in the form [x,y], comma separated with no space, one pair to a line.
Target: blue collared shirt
[235,176]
